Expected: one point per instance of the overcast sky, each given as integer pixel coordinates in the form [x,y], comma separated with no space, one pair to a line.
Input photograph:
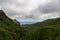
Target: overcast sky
[31,10]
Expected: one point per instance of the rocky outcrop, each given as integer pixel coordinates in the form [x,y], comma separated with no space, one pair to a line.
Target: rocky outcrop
[2,14]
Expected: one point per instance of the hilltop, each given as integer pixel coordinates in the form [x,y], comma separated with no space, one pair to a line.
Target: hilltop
[48,22]
[9,30]
[46,30]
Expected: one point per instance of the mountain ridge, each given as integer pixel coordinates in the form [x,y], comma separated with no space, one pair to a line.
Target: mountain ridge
[46,30]
[9,30]
[47,22]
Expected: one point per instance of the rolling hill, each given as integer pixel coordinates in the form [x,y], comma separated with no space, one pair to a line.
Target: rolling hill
[48,22]
[46,30]
[12,30]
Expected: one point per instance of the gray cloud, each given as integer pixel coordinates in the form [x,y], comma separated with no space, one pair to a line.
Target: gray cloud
[31,9]
[51,7]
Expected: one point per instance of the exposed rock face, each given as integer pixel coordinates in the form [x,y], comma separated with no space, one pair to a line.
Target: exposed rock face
[2,14]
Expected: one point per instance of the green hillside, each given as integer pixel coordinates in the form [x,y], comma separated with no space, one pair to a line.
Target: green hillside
[46,30]
[9,30]
[48,22]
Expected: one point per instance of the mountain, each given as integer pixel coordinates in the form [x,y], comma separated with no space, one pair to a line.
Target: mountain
[47,22]
[9,30]
[46,30]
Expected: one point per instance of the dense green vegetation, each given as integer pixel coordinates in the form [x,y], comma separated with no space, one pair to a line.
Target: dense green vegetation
[9,30]
[49,22]
[46,30]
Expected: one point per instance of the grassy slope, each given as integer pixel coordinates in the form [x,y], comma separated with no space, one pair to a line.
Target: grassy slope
[9,30]
[46,30]
[48,22]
